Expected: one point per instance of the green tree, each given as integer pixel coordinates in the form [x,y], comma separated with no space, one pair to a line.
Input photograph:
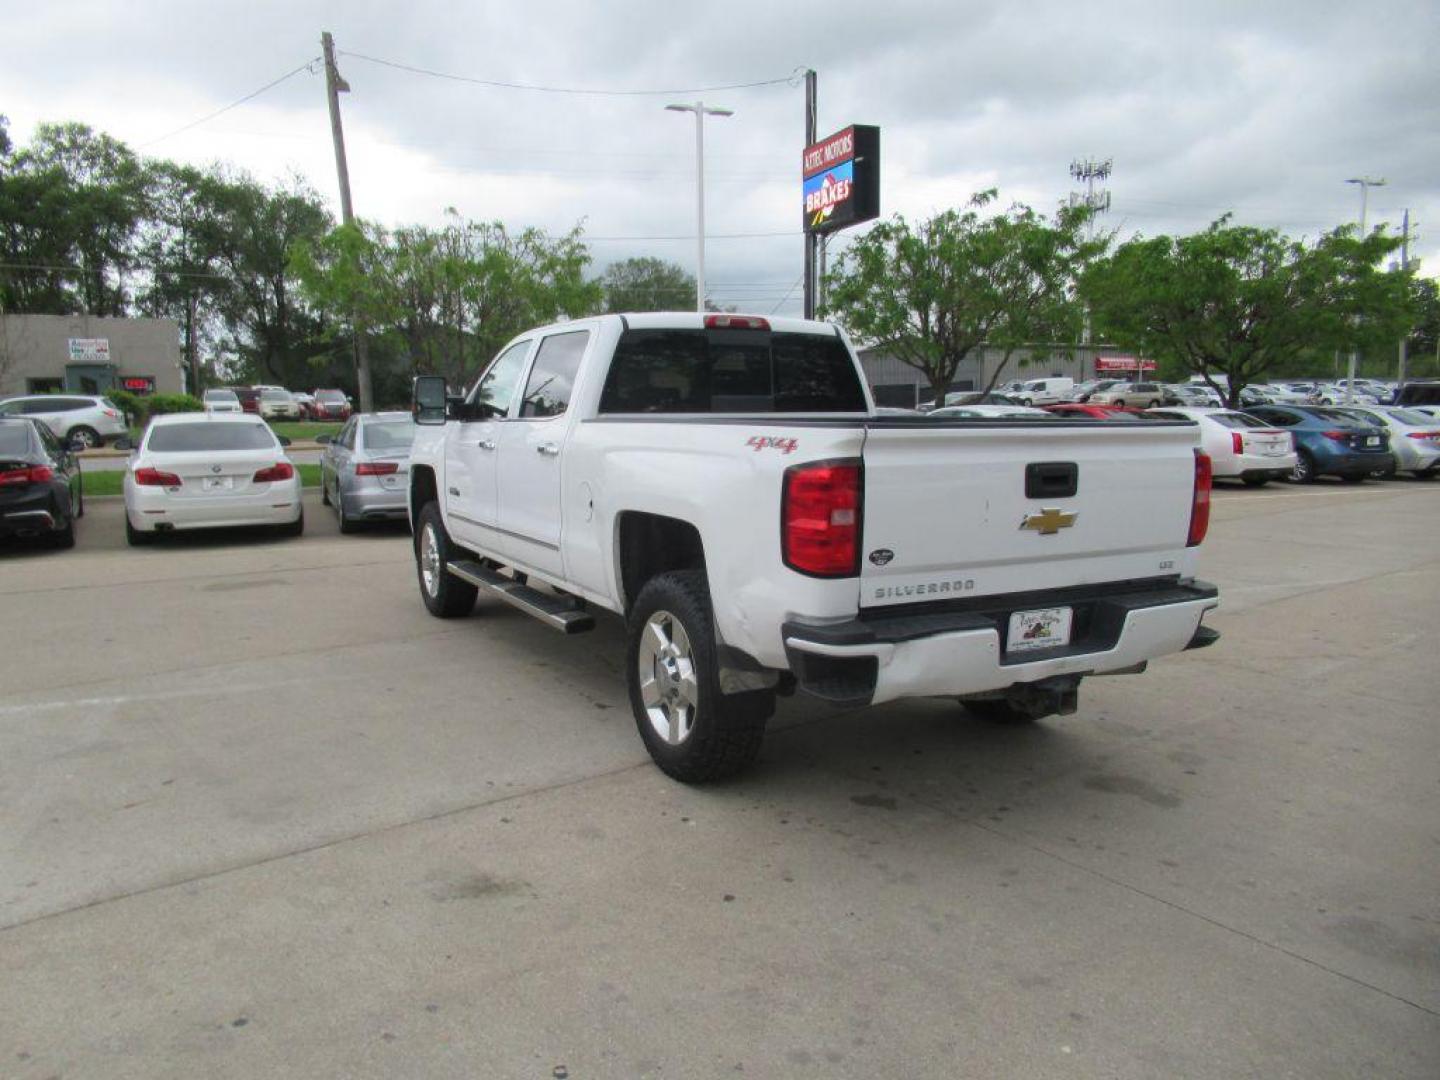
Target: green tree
[647,284]
[1424,343]
[1240,302]
[270,329]
[932,294]
[453,295]
[72,198]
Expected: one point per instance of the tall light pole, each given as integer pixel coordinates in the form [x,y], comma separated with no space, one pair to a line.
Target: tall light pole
[1366,183]
[701,110]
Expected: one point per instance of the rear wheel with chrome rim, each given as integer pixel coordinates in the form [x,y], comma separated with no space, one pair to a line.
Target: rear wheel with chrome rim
[445,595]
[693,731]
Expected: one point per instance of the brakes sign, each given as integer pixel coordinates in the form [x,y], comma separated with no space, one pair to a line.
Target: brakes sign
[840,179]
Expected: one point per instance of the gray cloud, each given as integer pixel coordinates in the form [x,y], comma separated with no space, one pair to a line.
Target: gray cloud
[1260,109]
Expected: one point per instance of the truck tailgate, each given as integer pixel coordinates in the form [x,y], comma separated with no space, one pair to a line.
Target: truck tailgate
[947,514]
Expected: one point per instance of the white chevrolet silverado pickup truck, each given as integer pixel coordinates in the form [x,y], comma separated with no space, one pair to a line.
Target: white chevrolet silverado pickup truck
[725,485]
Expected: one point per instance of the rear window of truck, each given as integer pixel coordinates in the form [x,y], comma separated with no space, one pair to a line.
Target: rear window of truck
[730,371]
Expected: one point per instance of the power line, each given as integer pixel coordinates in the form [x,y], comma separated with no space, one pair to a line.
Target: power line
[497,84]
[308,65]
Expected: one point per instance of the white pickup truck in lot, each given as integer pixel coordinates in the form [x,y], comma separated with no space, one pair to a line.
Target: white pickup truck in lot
[724,484]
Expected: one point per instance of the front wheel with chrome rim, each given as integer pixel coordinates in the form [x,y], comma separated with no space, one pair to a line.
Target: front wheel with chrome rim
[445,595]
[693,731]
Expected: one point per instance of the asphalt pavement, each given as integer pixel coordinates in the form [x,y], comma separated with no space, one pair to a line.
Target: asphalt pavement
[260,815]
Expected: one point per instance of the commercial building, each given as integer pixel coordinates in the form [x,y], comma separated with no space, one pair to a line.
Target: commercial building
[89,354]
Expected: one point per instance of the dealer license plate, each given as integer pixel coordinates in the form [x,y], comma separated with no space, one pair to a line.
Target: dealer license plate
[1372,440]
[218,483]
[1043,629]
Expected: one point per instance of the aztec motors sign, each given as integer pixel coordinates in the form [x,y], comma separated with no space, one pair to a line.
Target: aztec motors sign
[840,179]
[1123,363]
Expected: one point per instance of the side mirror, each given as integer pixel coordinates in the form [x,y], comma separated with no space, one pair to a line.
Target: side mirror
[284,440]
[428,399]
[323,440]
[123,443]
[75,446]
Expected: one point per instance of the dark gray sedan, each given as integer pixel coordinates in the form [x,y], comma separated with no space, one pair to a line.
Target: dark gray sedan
[365,470]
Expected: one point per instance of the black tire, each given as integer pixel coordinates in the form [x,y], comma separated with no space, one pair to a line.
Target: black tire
[87,435]
[64,538]
[135,537]
[1354,478]
[725,730]
[324,490]
[348,525]
[998,711]
[1255,481]
[447,597]
[1304,471]
[1424,474]
[294,528]
[1153,405]
[79,500]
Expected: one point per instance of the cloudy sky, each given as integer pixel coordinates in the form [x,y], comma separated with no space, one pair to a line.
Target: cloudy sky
[1260,108]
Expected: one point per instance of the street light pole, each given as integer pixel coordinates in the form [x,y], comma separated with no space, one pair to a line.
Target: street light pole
[1366,183]
[701,111]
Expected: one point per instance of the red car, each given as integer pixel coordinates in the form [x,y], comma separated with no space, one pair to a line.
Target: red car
[249,398]
[331,405]
[1094,412]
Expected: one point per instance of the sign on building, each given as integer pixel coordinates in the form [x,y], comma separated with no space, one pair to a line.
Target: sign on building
[89,350]
[840,179]
[1123,363]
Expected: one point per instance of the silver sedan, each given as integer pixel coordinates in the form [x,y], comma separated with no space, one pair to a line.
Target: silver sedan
[365,470]
[1414,437]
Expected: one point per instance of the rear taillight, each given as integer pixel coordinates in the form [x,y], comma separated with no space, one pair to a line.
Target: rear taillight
[280,471]
[33,474]
[111,413]
[376,468]
[820,519]
[1200,501]
[1338,436]
[1431,435]
[1237,442]
[148,477]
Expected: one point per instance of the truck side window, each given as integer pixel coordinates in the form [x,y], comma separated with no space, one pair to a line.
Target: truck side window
[496,388]
[552,377]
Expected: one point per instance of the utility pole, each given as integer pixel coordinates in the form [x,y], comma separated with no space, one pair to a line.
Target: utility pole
[701,110]
[811,239]
[1366,183]
[1098,202]
[1404,266]
[334,87]
[192,354]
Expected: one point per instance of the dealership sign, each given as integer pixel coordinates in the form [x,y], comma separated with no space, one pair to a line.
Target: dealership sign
[89,350]
[1123,363]
[840,179]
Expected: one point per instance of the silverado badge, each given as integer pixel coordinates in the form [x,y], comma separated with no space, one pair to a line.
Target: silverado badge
[1048,521]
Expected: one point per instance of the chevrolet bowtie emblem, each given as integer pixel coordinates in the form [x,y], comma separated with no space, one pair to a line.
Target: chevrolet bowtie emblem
[1048,521]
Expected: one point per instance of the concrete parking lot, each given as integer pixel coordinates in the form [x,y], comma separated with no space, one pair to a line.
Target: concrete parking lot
[260,815]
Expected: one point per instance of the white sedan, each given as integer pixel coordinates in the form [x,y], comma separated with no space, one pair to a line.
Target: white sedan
[1240,446]
[207,471]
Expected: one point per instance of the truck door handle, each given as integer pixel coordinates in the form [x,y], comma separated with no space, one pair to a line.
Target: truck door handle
[486,444]
[549,449]
[454,491]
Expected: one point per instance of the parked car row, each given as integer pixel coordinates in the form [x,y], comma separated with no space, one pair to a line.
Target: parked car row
[227,467]
[277,403]
[1194,394]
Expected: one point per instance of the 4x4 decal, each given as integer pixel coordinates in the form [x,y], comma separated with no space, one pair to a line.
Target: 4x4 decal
[773,442]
